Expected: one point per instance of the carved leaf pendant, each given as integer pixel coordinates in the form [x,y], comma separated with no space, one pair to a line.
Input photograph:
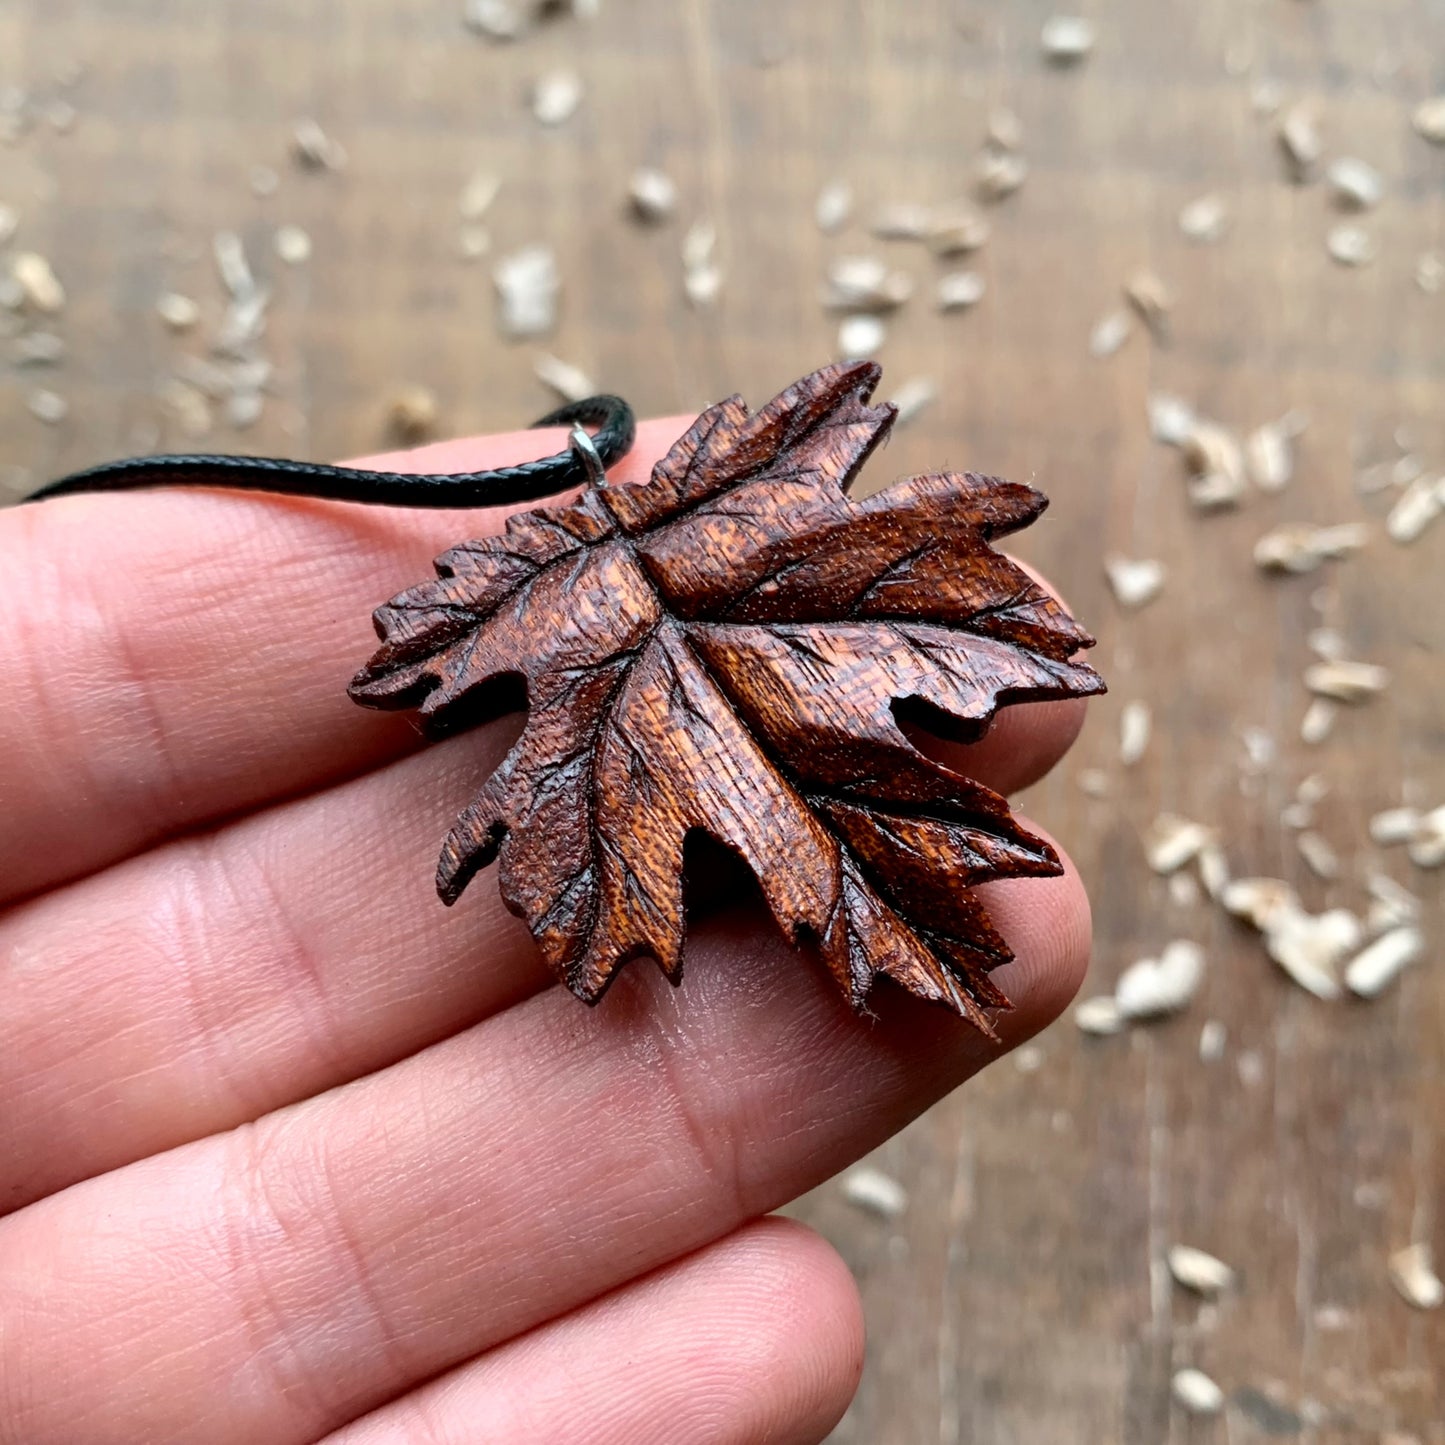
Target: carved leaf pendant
[728,648]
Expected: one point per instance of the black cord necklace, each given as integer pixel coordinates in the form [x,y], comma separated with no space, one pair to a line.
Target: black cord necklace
[583,463]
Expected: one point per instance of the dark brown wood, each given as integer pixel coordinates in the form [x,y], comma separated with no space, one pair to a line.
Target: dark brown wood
[724,649]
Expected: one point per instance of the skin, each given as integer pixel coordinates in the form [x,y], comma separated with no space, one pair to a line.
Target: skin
[290,1152]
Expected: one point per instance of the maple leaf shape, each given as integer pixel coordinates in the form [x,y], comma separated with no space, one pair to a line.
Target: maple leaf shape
[728,648]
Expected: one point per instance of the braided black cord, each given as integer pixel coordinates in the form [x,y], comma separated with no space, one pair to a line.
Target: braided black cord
[616,429]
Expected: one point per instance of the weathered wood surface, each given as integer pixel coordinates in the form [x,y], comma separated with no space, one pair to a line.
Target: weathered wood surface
[1020,1298]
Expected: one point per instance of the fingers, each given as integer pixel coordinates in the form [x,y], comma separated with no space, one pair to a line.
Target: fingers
[758,1337]
[172,656]
[282,1280]
[217,978]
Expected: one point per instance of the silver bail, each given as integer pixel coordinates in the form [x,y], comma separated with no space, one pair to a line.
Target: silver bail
[585,451]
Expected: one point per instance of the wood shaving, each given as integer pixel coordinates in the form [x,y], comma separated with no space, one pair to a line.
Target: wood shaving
[1355,184]
[958,231]
[1152,988]
[264,181]
[652,195]
[39,286]
[242,326]
[1205,219]
[1213,870]
[1170,419]
[1005,130]
[496,19]
[1099,1016]
[1299,547]
[1379,963]
[477,195]
[473,242]
[178,312]
[1172,841]
[1395,825]
[1299,139]
[1429,120]
[912,397]
[1391,904]
[1405,470]
[9,224]
[1213,1037]
[1000,174]
[903,221]
[1296,816]
[293,245]
[1260,750]
[1249,1066]
[414,413]
[1067,39]
[1326,642]
[702,277]
[1350,245]
[1266,96]
[313,150]
[47,406]
[1427,848]
[528,285]
[556,95]
[570,382]
[1216,464]
[1269,455]
[1029,1059]
[859,337]
[1320,857]
[1198,1271]
[1136,722]
[243,409]
[1183,890]
[1346,681]
[1151,298]
[187,406]
[834,206]
[875,1192]
[232,266]
[1110,333]
[1430,273]
[1258,900]
[1135,582]
[959,290]
[209,378]
[1418,507]
[865,283]
[39,348]
[1311,947]
[1412,1272]
[1196,1393]
[1094,783]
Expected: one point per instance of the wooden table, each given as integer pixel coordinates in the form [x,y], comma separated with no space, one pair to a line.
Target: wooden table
[1021,1297]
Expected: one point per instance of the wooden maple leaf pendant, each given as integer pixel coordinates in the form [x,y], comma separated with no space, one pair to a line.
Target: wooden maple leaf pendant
[727,648]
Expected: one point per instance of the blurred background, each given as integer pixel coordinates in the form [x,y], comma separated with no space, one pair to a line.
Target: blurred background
[1182,265]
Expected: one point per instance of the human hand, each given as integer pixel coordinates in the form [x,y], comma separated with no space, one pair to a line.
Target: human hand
[289,1151]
